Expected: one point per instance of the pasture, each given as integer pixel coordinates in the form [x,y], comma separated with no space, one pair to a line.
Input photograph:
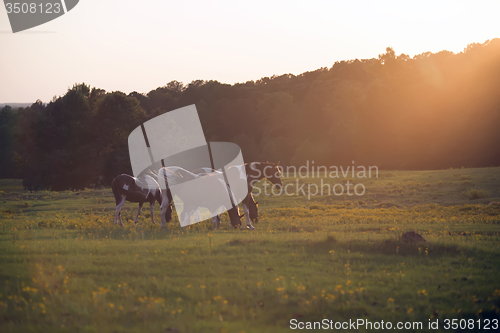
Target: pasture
[65,267]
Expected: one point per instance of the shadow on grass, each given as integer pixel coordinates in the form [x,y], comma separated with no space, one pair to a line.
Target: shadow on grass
[298,229]
[394,246]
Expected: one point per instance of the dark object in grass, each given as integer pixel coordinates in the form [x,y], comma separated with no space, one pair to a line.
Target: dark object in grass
[412,236]
[173,330]
[458,234]
[330,239]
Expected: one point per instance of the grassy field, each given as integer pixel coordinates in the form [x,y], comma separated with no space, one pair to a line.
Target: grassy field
[65,267]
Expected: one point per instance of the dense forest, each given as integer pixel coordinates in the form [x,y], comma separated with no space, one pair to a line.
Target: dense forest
[430,111]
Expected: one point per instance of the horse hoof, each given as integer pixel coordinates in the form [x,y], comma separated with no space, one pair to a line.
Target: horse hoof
[250,227]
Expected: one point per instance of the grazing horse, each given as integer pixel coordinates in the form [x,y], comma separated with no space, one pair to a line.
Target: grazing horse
[179,175]
[128,188]
[250,207]
[206,171]
[253,208]
[254,171]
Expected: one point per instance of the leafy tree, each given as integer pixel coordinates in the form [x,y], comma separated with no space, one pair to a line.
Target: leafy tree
[433,110]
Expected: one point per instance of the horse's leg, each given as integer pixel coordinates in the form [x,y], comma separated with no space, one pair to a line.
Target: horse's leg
[138,213]
[197,214]
[214,222]
[118,215]
[247,214]
[187,212]
[186,216]
[163,208]
[152,208]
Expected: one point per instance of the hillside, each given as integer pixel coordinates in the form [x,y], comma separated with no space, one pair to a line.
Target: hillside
[431,111]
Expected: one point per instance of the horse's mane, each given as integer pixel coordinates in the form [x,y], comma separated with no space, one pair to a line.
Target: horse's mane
[175,175]
[146,181]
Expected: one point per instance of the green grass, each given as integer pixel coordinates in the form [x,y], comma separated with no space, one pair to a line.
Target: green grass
[64,265]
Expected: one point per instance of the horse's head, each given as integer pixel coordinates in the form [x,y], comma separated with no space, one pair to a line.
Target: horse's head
[167,196]
[253,211]
[158,196]
[235,217]
[168,213]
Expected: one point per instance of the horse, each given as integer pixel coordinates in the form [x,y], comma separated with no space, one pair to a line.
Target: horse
[254,171]
[250,207]
[179,175]
[128,188]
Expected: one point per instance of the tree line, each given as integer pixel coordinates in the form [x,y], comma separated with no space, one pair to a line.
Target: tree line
[430,111]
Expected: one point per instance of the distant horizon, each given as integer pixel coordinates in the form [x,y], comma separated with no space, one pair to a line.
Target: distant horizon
[14,103]
[241,82]
[139,47]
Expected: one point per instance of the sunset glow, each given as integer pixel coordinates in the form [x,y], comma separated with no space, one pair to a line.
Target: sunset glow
[137,46]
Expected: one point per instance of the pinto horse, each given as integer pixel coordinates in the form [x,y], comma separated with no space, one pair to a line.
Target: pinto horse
[128,188]
[250,207]
[178,174]
[254,171]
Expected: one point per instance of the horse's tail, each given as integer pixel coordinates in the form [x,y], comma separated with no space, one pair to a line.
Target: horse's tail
[116,191]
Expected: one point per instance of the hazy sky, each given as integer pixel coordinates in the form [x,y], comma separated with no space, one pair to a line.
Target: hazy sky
[140,45]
